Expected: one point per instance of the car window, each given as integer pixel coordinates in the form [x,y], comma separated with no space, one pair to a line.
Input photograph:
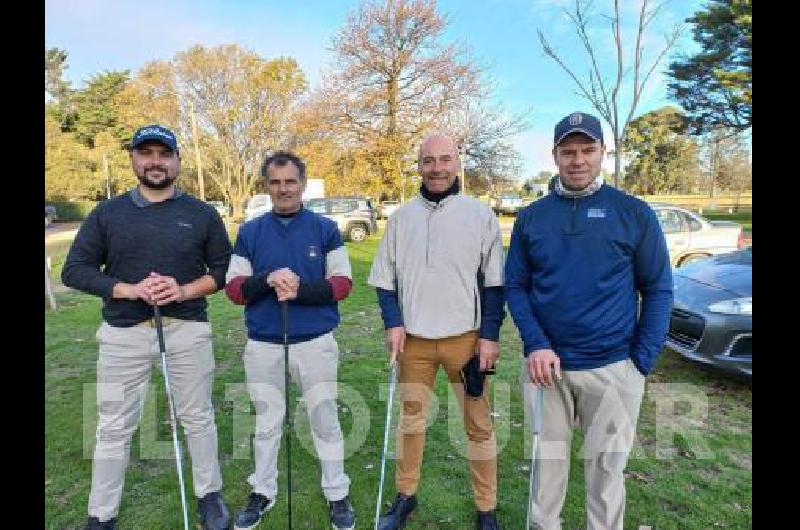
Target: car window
[342,206]
[316,205]
[670,220]
[258,201]
[693,224]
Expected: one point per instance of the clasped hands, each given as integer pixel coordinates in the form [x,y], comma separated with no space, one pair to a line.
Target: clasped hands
[285,282]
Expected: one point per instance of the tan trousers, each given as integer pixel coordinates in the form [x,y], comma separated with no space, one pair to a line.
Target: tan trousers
[604,403]
[313,366]
[124,364]
[418,366]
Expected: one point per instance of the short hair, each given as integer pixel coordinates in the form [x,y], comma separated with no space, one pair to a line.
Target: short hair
[280,159]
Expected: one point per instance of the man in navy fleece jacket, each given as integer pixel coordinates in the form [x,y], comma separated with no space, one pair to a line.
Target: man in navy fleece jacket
[578,261]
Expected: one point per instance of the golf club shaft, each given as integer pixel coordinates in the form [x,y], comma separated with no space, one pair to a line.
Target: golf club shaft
[392,383]
[178,460]
[536,427]
[287,414]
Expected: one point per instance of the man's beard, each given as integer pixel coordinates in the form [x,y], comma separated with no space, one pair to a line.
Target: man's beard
[154,185]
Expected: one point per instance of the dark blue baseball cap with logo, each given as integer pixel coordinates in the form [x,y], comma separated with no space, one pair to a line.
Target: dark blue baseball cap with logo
[578,122]
[154,133]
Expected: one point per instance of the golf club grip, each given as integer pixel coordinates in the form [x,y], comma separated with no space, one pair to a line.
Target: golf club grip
[159,328]
[285,320]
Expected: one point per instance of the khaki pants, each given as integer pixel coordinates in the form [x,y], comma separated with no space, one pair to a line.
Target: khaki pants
[418,365]
[125,360]
[313,366]
[604,403]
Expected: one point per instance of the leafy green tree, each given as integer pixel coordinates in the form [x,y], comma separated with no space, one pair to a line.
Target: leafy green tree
[96,109]
[663,158]
[715,86]
[69,171]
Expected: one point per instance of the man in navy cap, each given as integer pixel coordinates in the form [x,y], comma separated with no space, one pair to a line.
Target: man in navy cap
[154,245]
[589,285]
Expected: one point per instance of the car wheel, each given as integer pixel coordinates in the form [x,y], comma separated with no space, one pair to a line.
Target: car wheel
[692,258]
[357,233]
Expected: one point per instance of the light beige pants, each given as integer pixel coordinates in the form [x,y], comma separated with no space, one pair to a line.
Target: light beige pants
[604,403]
[124,364]
[313,366]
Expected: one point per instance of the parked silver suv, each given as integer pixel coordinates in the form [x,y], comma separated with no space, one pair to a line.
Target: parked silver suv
[355,216]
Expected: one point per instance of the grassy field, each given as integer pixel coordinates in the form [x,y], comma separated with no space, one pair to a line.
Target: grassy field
[744,218]
[697,478]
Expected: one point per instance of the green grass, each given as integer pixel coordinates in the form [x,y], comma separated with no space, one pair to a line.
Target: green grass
[671,483]
[744,218]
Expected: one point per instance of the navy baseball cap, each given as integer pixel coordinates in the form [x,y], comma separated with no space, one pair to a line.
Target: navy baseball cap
[578,122]
[155,133]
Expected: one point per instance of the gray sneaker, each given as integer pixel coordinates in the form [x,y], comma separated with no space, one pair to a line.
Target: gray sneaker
[213,513]
[342,515]
[257,506]
[94,524]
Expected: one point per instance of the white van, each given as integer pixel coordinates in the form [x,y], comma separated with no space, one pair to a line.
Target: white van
[257,205]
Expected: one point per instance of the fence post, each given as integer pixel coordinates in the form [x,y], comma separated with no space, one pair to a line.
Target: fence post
[48,285]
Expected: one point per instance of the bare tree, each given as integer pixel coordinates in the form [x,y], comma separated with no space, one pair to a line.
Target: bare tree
[393,78]
[482,132]
[603,95]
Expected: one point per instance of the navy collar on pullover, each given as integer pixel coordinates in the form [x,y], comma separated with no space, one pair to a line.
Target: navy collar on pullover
[286,218]
[437,197]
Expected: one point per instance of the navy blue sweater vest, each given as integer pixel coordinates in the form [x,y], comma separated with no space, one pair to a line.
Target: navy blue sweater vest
[302,246]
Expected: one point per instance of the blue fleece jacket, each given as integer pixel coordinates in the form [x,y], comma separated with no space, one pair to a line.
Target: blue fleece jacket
[573,272]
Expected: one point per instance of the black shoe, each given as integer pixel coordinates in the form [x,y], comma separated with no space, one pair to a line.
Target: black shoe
[94,524]
[213,513]
[257,506]
[487,521]
[395,518]
[342,515]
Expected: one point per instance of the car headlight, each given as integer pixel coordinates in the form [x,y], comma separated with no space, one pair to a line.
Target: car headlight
[737,306]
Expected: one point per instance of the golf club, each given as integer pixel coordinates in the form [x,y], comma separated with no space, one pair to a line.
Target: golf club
[178,460]
[287,414]
[536,427]
[392,383]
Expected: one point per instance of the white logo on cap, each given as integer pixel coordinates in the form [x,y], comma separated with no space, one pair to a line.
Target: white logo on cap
[154,131]
[575,118]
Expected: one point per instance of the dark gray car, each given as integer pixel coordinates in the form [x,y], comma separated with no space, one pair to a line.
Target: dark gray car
[355,216]
[712,316]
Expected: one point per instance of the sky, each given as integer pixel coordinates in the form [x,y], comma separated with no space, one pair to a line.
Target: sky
[500,35]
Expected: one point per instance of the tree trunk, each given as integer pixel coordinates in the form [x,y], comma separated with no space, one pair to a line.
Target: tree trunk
[198,162]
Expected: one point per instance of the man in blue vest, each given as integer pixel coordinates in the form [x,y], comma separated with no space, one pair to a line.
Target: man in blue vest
[291,254]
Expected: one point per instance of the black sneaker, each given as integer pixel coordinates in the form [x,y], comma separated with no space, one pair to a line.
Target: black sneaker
[213,513]
[94,524]
[398,513]
[487,521]
[342,515]
[257,506]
